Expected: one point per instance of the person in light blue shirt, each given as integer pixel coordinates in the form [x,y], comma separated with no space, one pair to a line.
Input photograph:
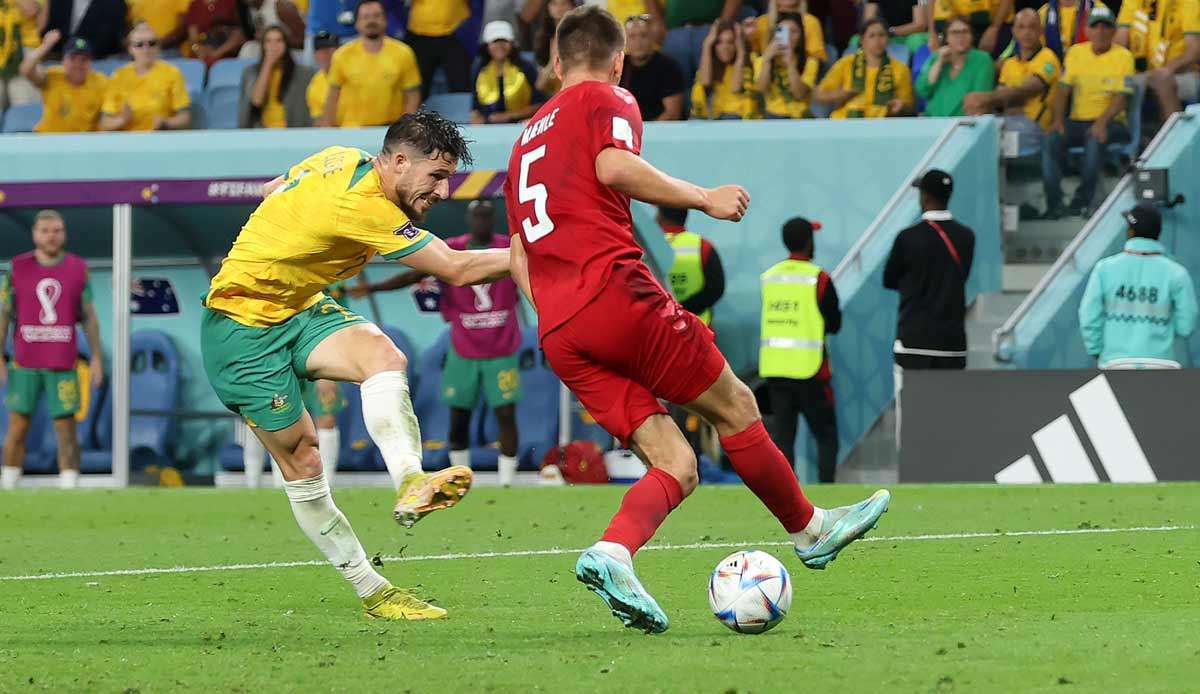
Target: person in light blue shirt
[1138,301]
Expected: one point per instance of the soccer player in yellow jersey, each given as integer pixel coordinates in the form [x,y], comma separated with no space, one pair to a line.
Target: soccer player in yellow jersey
[268,324]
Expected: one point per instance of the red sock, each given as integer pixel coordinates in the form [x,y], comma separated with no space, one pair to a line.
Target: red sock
[765,470]
[643,509]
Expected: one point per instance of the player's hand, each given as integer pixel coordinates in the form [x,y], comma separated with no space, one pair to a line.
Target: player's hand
[1099,130]
[51,39]
[97,369]
[727,202]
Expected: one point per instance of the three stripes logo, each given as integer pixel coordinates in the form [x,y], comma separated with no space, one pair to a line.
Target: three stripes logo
[1062,452]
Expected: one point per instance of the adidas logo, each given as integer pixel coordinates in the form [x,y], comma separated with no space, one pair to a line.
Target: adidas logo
[1062,452]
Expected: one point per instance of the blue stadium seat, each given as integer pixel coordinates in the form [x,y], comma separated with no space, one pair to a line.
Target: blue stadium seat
[193,73]
[456,107]
[221,107]
[431,411]
[154,384]
[900,52]
[22,117]
[229,457]
[223,93]
[537,413]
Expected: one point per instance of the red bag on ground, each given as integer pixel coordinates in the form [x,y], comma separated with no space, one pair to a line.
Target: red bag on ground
[580,462]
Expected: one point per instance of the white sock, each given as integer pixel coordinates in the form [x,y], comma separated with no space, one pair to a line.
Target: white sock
[252,457]
[616,551]
[68,479]
[388,414]
[506,469]
[462,457]
[9,476]
[329,443]
[329,530]
[812,531]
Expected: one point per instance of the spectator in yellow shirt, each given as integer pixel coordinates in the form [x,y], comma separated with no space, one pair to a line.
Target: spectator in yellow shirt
[18,32]
[724,88]
[504,82]
[1027,79]
[324,46]
[165,17]
[764,29]
[1097,81]
[147,94]
[274,90]
[869,83]
[989,20]
[1071,27]
[1166,35]
[374,79]
[431,27]
[72,92]
[786,73]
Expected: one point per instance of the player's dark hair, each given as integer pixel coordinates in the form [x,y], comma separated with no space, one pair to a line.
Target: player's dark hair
[674,215]
[428,132]
[589,36]
[358,6]
[798,235]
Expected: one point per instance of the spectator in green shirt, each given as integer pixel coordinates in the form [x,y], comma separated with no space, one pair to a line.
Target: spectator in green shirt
[956,70]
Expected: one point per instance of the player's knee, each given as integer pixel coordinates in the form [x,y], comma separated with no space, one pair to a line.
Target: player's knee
[305,459]
[741,410]
[681,465]
[385,356]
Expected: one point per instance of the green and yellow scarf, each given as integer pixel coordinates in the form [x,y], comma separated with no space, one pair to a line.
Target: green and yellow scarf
[885,87]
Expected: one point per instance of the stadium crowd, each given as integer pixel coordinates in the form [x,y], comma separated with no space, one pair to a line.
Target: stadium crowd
[1065,73]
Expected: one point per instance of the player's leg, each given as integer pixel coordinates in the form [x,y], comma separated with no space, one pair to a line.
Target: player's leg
[294,449]
[324,402]
[62,401]
[461,380]
[502,391]
[14,448]
[506,464]
[341,346]
[819,534]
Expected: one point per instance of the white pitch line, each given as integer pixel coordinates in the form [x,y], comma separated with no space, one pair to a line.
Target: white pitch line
[556,551]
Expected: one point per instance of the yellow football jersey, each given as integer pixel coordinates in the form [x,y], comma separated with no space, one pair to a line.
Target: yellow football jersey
[326,221]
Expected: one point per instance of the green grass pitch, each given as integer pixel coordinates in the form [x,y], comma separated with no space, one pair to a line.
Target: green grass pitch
[1083,610]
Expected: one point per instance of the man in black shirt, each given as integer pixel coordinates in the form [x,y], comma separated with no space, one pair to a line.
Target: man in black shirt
[929,266]
[654,79]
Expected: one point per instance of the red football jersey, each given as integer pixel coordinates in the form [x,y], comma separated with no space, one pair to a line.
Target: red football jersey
[575,229]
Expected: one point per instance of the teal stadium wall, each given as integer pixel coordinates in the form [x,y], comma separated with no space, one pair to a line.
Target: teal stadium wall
[1048,335]
[841,173]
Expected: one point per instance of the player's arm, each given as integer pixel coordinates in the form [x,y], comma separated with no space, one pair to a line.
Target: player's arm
[272,185]
[91,328]
[399,280]
[459,268]
[628,173]
[519,267]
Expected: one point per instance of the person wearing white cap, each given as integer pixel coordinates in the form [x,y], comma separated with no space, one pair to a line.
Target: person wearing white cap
[504,83]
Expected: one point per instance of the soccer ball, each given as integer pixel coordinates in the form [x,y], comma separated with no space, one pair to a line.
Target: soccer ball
[750,592]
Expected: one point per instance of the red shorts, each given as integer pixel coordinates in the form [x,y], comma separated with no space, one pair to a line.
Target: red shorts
[631,345]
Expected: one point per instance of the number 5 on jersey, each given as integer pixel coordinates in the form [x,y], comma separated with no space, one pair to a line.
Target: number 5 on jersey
[541,224]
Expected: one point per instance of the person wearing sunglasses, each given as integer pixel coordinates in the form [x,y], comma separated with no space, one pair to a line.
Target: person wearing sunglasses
[147,94]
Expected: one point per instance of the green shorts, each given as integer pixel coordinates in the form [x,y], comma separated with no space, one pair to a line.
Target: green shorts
[318,406]
[462,377]
[256,372]
[25,386]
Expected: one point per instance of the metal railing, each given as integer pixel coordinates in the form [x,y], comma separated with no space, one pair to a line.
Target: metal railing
[1003,335]
[854,255]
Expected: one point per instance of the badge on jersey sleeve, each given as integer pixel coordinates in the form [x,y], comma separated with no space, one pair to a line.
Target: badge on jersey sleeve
[408,231]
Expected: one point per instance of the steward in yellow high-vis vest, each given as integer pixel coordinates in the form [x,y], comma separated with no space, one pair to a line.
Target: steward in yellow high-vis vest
[697,277]
[799,308]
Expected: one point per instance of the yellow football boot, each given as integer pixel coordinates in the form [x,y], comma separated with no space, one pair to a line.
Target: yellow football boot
[424,492]
[391,602]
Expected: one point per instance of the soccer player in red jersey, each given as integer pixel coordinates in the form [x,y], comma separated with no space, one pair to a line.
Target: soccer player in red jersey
[616,337]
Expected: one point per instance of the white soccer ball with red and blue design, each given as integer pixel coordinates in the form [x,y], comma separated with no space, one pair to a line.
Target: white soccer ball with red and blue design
[750,592]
